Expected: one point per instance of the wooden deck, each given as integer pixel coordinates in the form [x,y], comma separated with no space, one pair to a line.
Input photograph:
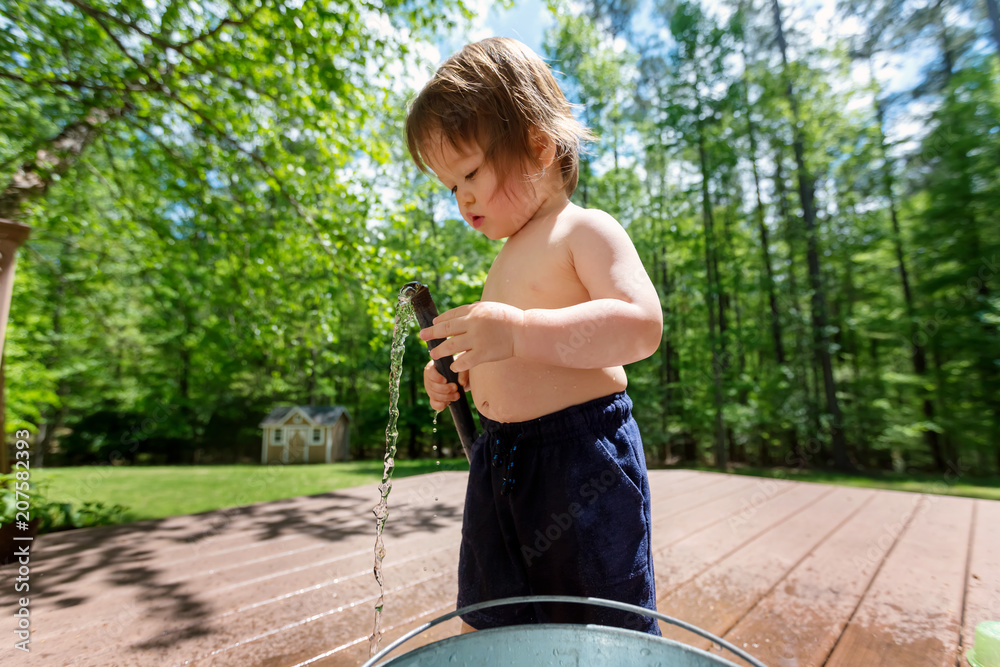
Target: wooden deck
[800,574]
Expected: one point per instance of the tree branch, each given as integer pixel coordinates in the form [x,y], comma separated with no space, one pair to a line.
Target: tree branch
[34,176]
[96,14]
[222,24]
[77,84]
[159,41]
[299,208]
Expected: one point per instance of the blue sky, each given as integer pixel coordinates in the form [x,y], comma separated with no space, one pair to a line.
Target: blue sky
[526,21]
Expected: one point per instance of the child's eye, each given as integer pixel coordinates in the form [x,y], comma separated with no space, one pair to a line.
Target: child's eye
[468,177]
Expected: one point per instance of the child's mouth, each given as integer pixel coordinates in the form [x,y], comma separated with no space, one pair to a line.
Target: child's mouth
[477,220]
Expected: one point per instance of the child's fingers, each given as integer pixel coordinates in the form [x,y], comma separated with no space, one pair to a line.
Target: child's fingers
[439,391]
[431,374]
[438,406]
[441,401]
[463,379]
[447,392]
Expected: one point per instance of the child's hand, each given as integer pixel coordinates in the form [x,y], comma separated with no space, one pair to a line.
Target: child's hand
[439,390]
[482,331]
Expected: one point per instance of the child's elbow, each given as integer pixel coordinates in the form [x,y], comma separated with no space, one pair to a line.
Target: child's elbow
[649,335]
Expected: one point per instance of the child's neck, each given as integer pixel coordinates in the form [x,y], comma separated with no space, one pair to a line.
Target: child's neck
[552,198]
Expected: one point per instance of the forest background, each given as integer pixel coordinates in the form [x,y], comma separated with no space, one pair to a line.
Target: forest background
[223,211]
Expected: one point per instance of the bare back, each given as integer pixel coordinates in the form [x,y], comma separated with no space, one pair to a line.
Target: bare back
[535,269]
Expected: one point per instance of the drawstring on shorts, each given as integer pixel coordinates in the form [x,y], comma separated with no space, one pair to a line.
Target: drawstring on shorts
[503,459]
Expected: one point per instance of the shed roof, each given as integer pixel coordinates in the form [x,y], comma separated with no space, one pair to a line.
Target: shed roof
[321,415]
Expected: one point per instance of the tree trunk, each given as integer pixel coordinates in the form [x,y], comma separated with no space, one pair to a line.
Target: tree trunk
[799,365]
[851,345]
[664,361]
[737,267]
[310,379]
[819,319]
[765,246]
[667,351]
[919,355]
[712,299]
[49,426]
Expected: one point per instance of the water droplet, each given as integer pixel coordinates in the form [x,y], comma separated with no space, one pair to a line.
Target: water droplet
[644,652]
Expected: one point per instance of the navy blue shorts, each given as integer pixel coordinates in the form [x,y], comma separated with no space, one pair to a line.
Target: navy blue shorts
[559,505]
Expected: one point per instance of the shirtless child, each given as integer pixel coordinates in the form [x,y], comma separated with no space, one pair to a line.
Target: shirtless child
[558,498]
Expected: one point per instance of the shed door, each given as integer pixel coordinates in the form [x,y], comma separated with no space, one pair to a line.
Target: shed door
[296,448]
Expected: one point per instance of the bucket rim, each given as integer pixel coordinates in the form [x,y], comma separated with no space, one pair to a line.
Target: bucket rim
[545,629]
[600,602]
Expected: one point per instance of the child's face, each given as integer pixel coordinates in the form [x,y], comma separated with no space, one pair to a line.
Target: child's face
[494,210]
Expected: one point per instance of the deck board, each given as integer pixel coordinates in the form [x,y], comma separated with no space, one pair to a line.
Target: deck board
[982,589]
[800,619]
[724,593]
[800,574]
[911,613]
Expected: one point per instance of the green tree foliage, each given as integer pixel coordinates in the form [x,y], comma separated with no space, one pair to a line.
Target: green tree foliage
[200,183]
[739,136]
[223,212]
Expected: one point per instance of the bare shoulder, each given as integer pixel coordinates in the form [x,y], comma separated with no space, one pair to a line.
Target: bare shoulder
[576,218]
[605,259]
[591,229]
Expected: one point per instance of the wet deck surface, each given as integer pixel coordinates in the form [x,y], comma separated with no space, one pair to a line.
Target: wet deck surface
[800,574]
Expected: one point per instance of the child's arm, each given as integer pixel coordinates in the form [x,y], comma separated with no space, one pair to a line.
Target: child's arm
[621,323]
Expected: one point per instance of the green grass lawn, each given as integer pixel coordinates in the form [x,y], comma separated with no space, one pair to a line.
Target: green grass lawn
[950,485]
[154,492]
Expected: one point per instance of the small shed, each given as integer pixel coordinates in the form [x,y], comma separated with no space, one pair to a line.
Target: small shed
[306,434]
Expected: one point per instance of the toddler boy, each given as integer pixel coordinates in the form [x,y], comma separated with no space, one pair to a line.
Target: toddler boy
[558,497]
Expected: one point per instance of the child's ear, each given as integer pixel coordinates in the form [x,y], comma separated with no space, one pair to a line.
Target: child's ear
[543,147]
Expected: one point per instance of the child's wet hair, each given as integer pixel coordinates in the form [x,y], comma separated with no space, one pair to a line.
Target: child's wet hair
[495,93]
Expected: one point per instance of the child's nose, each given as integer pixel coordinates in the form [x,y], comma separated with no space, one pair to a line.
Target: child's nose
[466,197]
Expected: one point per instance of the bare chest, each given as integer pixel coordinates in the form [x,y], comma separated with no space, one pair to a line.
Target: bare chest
[533,273]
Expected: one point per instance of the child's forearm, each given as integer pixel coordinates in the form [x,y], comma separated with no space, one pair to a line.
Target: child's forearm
[594,334]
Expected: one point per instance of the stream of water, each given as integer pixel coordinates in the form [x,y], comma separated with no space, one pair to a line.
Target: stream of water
[403,321]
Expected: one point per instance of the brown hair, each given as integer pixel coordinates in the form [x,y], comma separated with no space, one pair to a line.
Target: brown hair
[495,92]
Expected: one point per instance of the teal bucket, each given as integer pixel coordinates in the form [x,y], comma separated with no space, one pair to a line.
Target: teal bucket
[559,644]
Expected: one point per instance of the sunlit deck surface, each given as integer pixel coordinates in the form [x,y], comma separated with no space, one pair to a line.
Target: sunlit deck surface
[798,573]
